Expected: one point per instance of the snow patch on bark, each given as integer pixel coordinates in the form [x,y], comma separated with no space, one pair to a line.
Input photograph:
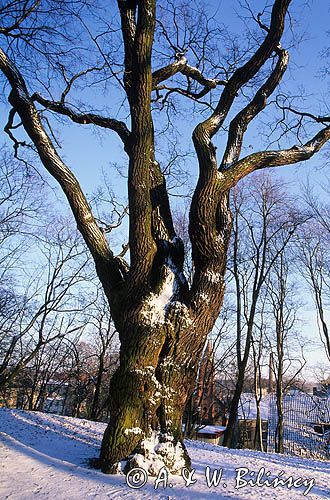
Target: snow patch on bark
[183,311]
[203,297]
[159,451]
[149,373]
[213,277]
[134,430]
[220,175]
[155,308]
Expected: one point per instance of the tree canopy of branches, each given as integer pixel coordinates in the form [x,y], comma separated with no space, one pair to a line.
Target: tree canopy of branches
[163,321]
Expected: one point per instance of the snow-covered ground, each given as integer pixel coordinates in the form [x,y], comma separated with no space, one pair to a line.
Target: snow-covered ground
[48,455]
[248,409]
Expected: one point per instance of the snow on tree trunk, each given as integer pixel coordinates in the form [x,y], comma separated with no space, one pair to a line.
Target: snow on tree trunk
[162,344]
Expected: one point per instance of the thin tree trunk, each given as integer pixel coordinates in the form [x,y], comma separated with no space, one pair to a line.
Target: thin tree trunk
[258,444]
[230,433]
[279,405]
[96,399]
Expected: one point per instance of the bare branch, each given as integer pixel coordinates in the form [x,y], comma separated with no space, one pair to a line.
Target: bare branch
[181,66]
[109,227]
[70,82]
[240,123]
[210,229]
[191,95]
[8,129]
[244,74]
[85,118]
[304,114]
[25,14]
[265,159]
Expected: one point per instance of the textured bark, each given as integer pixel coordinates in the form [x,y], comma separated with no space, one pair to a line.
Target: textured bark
[157,373]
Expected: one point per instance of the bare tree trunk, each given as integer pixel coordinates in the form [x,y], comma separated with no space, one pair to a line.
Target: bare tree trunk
[262,236]
[97,392]
[279,406]
[258,443]
[230,437]
[189,424]
[284,315]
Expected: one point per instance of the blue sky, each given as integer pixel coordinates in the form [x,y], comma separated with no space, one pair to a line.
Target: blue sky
[87,152]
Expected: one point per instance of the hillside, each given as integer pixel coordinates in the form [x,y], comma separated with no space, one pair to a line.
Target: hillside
[47,456]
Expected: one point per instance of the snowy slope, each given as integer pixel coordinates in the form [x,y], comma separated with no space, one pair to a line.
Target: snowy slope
[47,456]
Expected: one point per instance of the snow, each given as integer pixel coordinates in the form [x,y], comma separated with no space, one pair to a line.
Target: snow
[301,413]
[204,297]
[248,409]
[159,450]
[156,306]
[211,429]
[47,456]
[213,277]
[134,430]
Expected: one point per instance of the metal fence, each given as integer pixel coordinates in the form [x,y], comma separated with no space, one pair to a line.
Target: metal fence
[306,425]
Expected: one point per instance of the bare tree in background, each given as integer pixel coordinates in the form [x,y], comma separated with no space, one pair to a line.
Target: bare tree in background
[264,222]
[282,297]
[313,257]
[258,357]
[22,204]
[47,308]
[103,339]
[162,322]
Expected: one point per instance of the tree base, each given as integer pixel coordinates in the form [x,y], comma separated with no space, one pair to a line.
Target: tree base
[152,454]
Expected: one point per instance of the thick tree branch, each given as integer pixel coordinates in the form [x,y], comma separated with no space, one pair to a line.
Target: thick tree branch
[240,123]
[138,83]
[85,118]
[152,239]
[209,228]
[128,25]
[209,183]
[162,74]
[195,74]
[181,66]
[95,239]
[205,130]
[185,92]
[265,159]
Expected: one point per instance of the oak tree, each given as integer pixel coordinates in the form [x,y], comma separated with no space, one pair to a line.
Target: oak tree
[163,321]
